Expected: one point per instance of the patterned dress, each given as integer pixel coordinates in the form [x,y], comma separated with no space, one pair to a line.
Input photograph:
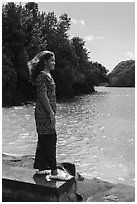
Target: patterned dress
[45,157]
[44,83]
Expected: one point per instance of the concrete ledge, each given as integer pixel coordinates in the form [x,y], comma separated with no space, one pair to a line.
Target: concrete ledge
[23,185]
[17,191]
[20,183]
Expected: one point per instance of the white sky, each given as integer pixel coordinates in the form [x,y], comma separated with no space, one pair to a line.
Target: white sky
[107,27]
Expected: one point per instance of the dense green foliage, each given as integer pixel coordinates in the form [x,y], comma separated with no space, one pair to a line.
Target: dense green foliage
[25,32]
[123,75]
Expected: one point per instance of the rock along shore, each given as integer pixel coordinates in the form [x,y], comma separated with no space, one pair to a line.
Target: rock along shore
[88,190]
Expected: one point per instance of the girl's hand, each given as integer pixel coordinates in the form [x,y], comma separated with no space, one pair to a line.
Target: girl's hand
[53,119]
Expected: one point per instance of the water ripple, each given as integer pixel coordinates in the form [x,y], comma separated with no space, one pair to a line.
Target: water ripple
[95,132]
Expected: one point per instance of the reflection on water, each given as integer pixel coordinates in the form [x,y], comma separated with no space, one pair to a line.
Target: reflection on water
[95,132]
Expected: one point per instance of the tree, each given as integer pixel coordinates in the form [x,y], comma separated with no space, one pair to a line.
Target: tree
[81,52]
[31,22]
[9,79]
[123,75]
[26,32]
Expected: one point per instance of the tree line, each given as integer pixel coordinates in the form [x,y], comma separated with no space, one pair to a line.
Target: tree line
[27,31]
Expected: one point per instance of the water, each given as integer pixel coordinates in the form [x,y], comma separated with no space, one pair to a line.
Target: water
[96,132]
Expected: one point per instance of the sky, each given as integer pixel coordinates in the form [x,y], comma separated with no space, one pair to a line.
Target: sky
[108,28]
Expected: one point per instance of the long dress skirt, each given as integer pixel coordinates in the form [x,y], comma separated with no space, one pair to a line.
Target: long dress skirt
[45,157]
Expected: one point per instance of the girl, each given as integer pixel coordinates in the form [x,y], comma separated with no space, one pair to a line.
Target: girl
[45,111]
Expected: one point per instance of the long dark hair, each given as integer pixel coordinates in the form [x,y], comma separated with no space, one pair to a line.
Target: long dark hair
[36,65]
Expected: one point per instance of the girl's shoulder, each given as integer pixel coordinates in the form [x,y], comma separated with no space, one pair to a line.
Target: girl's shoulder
[40,80]
[42,77]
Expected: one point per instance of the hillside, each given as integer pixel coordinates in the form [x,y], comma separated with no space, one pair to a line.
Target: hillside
[123,75]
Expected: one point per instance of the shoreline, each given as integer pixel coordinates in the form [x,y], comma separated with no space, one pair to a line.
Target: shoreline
[91,190]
